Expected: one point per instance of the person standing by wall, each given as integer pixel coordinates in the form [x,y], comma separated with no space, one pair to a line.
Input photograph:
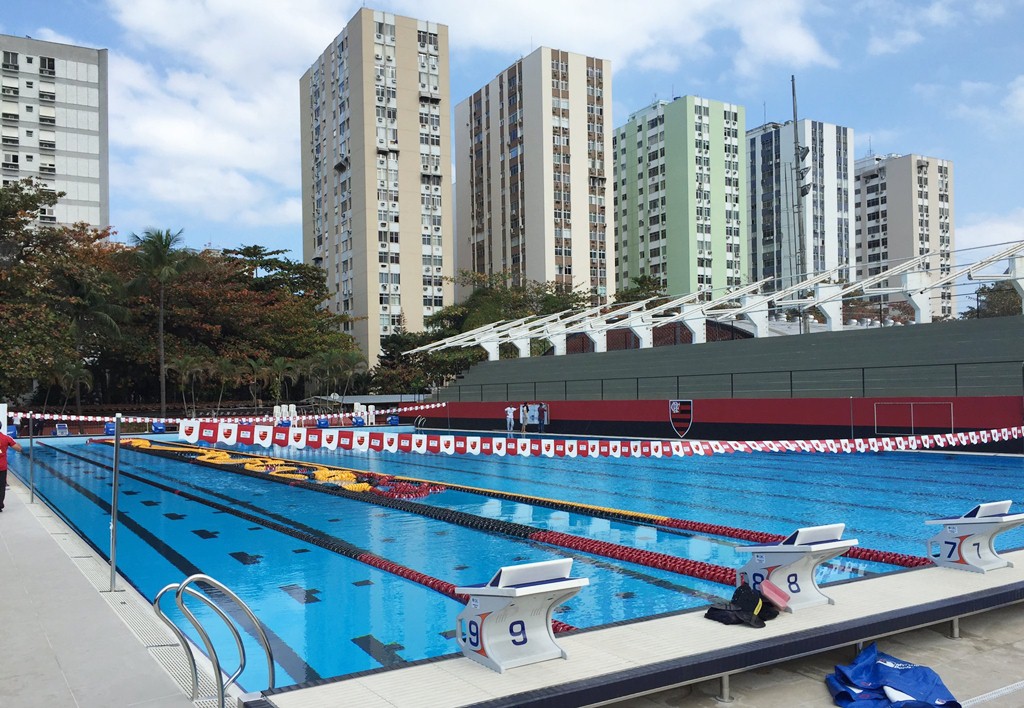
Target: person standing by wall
[524,416]
[6,441]
[510,418]
[542,417]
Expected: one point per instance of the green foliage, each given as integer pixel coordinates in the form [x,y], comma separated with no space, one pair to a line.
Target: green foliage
[642,288]
[1000,299]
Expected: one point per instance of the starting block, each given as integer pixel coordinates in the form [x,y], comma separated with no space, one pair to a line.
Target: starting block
[507,622]
[792,563]
[967,542]
[60,430]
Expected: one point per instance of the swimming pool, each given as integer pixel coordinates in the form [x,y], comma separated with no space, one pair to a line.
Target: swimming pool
[303,560]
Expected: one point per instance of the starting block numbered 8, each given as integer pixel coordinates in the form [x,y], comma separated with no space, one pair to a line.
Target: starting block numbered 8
[507,622]
[792,563]
[967,542]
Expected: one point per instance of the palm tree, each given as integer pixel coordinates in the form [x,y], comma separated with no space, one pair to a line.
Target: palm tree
[189,367]
[322,368]
[281,370]
[257,375]
[91,313]
[162,260]
[228,373]
[73,376]
[351,362]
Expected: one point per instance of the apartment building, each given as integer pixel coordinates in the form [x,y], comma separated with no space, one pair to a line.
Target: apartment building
[533,166]
[813,198]
[904,208]
[680,190]
[376,173]
[54,125]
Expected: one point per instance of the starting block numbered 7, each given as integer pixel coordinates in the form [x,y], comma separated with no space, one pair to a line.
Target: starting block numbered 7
[792,563]
[507,622]
[968,542]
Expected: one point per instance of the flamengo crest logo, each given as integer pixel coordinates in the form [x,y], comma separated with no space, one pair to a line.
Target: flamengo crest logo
[680,414]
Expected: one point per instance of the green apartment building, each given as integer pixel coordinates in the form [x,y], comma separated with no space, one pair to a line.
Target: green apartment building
[680,196]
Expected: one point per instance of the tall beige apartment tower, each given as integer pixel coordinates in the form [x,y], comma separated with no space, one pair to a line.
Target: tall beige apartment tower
[54,125]
[376,174]
[533,159]
[904,207]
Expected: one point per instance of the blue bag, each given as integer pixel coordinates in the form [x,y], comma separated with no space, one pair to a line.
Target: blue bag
[878,680]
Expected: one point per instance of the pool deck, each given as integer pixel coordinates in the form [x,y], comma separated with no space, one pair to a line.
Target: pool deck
[66,641]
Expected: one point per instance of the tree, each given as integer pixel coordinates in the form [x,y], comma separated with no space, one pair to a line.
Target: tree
[642,288]
[188,367]
[350,363]
[228,374]
[162,259]
[72,377]
[257,376]
[281,370]
[1000,299]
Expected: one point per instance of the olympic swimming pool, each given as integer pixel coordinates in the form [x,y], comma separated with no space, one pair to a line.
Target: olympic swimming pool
[329,614]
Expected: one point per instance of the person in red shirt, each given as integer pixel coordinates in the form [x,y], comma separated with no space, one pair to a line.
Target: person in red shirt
[6,441]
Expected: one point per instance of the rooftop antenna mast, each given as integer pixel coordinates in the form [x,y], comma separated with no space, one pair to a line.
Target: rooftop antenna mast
[800,154]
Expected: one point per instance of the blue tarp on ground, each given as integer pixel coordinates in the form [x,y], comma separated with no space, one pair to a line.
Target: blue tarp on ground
[877,680]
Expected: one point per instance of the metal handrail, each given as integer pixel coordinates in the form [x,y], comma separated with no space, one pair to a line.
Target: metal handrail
[180,591]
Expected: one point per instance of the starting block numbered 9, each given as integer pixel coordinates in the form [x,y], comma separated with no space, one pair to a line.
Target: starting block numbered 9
[968,542]
[507,622]
[792,563]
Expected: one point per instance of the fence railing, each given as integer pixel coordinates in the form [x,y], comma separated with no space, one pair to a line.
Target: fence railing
[999,378]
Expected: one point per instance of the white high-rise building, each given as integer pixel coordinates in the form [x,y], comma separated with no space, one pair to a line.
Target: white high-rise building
[533,159]
[54,125]
[904,209]
[376,174]
[826,209]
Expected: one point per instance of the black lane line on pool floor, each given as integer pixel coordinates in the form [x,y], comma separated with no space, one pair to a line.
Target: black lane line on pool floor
[795,523]
[587,559]
[858,567]
[697,569]
[283,653]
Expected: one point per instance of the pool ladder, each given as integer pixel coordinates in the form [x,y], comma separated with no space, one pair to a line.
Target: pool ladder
[180,591]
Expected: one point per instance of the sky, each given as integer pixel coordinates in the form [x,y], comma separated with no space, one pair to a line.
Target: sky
[204,94]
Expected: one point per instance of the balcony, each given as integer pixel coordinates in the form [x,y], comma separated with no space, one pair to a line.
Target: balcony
[47,96]
[47,120]
[10,141]
[46,72]
[47,145]
[48,169]
[9,91]
[7,66]
[9,165]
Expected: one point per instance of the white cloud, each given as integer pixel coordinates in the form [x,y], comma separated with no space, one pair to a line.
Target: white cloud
[904,25]
[981,236]
[895,42]
[998,118]
[204,105]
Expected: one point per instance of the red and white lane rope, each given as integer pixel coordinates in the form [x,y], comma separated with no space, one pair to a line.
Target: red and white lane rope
[231,433]
[61,417]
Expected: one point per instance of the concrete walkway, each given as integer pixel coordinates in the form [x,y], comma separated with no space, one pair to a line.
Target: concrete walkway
[64,640]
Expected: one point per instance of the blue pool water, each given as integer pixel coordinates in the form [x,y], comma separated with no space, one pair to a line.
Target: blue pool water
[329,615]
